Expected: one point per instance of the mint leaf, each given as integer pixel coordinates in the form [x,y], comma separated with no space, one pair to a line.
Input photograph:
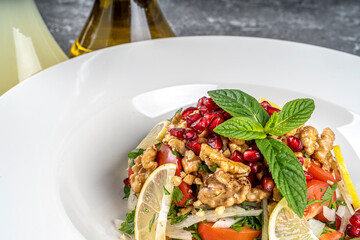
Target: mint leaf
[241,128]
[286,171]
[294,114]
[128,225]
[240,104]
[272,121]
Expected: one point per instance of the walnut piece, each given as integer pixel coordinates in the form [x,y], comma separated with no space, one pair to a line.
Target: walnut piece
[175,143]
[241,148]
[190,162]
[257,194]
[308,136]
[144,165]
[224,189]
[323,153]
[212,156]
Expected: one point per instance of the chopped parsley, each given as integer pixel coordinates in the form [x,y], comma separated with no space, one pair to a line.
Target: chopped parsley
[152,222]
[126,191]
[128,225]
[174,152]
[158,145]
[253,222]
[204,167]
[214,167]
[166,191]
[327,197]
[194,231]
[312,201]
[177,195]
[134,154]
[173,215]
[146,210]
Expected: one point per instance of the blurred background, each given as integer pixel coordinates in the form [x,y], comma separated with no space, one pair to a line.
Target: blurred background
[329,23]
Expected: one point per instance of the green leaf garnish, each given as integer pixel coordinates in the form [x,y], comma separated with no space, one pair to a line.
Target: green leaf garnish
[253,222]
[240,104]
[126,191]
[286,171]
[174,152]
[327,197]
[134,154]
[152,222]
[178,111]
[241,128]
[128,225]
[214,167]
[204,167]
[294,114]
[177,195]
[166,191]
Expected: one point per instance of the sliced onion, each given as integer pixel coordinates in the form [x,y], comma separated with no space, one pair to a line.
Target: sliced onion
[341,211]
[225,222]
[178,233]
[345,220]
[264,205]
[346,196]
[118,222]
[338,194]
[132,200]
[210,216]
[316,226]
[329,214]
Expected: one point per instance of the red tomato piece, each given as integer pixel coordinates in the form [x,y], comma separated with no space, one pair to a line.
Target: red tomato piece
[130,172]
[320,174]
[206,232]
[331,235]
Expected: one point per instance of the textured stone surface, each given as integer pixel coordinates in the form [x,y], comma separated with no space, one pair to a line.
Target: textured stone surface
[328,23]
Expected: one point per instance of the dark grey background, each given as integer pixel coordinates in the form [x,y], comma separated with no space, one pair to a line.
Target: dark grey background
[330,23]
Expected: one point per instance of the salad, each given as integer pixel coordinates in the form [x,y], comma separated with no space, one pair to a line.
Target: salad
[233,167]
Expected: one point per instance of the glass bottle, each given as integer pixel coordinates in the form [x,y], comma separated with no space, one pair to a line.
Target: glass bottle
[113,22]
[26,45]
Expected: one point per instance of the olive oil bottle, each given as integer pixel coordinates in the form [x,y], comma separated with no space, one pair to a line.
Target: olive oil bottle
[113,22]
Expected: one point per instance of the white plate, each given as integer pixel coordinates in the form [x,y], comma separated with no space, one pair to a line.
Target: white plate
[65,133]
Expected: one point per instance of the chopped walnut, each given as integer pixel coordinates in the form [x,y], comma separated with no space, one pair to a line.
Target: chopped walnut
[190,162]
[198,181]
[225,142]
[204,134]
[189,179]
[201,140]
[185,210]
[227,153]
[306,164]
[224,189]
[271,206]
[295,132]
[219,210]
[241,148]
[176,181]
[257,194]
[175,143]
[308,136]
[200,213]
[237,141]
[176,119]
[299,154]
[323,153]
[143,166]
[212,156]
[276,194]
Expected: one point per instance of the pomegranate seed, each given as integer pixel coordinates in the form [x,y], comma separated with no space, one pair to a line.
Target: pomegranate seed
[203,110]
[352,231]
[237,156]
[214,141]
[254,147]
[268,184]
[308,176]
[294,143]
[127,181]
[177,132]
[187,112]
[253,179]
[201,102]
[200,125]
[251,155]
[216,121]
[271,110]
[337,222]
[301,160]
[194,146]
[265,104]
[192,118]
[210,103]
[256,167]
[190,134]
[355,220]
[226,115]
[211,115]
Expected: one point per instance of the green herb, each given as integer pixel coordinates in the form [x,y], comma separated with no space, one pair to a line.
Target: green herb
[218,194]
[240,104]
[152,222]
[177,195]
[321,190]
[286,171]
[146,210]
[241,128]
[174,152]
[189,201]
[294,114]
[312,201]
[325,230]
[253,222]
[340,203]
[214,167]
[166,191]
[306,155]
[331,224]
[174,216]
[178,111]
[194,231]
[128,225]
[134,154]
[158,145]
[126,191]
[204,167]
[327,197]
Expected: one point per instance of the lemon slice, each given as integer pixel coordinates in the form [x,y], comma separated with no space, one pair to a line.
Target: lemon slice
[154,203]
[346,177]
[271,103]
[156,134]
[285,224]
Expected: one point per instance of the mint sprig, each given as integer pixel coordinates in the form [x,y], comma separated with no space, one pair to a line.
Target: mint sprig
[286,171]
[240,104]
[241,128]
[250,121]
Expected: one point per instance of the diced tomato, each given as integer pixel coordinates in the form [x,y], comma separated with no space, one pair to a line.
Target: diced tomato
[320,174]
[331,235]
[316,190]
[165,155]
[130,171]
[206,232]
